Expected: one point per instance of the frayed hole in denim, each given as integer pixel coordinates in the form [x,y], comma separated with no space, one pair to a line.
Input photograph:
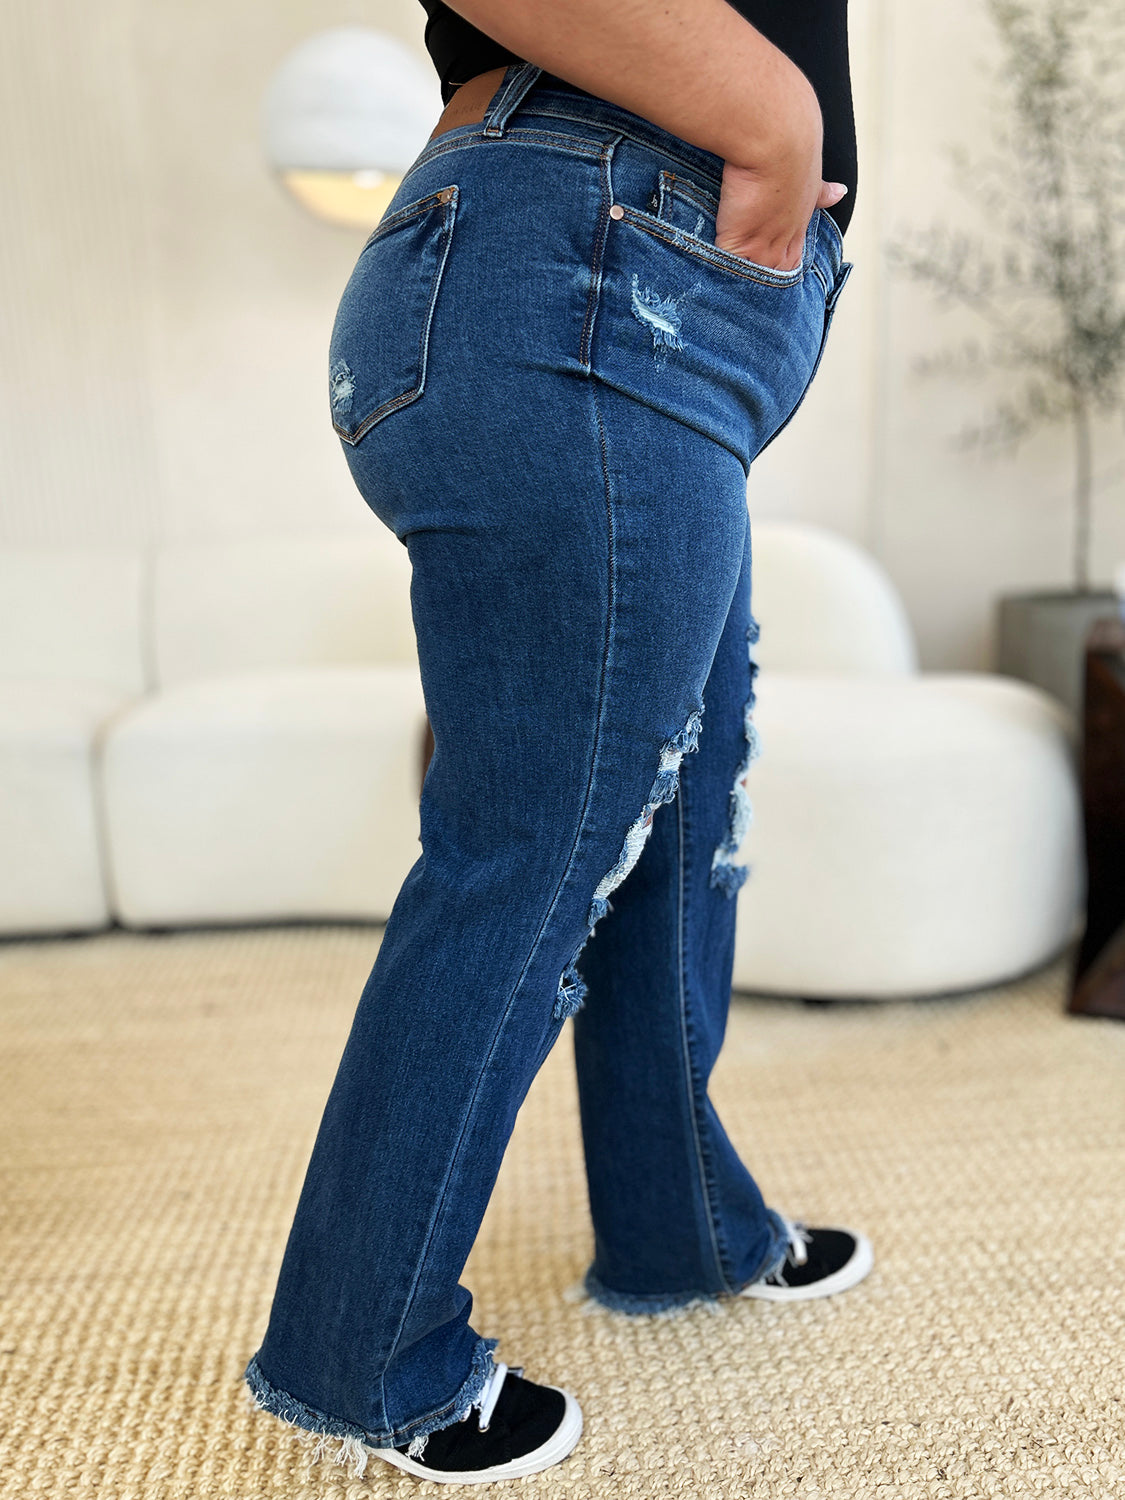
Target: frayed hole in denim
[572,988]
[726,875]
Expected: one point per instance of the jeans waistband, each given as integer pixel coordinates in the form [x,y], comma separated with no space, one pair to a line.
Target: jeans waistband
[531,92]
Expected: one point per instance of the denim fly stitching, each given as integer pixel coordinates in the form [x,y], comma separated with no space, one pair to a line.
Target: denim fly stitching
[727,876]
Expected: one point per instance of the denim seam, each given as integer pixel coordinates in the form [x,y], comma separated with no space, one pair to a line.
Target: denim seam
[456,1152]
[607,652]
[607,649]
[440,1204]
[507,1010]
[690,1078]
[586,339]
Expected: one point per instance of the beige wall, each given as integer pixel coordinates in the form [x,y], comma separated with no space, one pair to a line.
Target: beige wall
[164,369]
[166,309]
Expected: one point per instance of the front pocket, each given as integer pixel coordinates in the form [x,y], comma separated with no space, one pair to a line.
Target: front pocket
[683,213]
[380,340]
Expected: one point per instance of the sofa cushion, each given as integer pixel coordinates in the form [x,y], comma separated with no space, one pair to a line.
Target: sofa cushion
[51,870]
[909,836]
[266,604]
[266,796]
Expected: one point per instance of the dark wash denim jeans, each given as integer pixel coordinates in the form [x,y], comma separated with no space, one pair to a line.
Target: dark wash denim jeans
[551,385]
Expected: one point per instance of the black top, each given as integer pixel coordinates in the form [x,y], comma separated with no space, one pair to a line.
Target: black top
[812,33]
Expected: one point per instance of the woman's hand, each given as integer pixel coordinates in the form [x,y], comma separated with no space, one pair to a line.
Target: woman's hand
[700,70]
[765,209]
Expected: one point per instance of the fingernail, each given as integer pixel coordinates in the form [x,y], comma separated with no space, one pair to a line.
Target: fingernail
[841,188]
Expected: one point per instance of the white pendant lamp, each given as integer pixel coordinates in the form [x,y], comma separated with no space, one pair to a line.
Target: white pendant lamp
[345,115]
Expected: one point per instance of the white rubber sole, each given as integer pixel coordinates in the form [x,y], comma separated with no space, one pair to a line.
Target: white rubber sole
[851,1272]
[561,1442]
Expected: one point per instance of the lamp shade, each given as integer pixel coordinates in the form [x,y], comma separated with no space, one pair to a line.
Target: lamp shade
[345,114]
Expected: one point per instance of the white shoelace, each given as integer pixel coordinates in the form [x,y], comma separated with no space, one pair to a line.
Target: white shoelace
[799,1241]
[797,1253]
[485,1402]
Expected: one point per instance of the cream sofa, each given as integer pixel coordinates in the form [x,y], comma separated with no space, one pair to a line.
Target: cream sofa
[913,833]
[275,773]
[70,661]
[232,732]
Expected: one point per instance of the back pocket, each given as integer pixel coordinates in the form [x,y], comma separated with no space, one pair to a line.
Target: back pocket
[380,340]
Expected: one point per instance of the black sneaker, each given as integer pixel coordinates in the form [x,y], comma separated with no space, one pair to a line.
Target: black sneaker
[516,1427]
[817,1263]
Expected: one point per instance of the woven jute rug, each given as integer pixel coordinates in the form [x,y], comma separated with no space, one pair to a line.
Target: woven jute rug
[160,1095]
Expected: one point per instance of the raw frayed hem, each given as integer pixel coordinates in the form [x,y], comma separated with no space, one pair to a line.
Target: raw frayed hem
[660,1304]
[667,1304]
[330,1438]
[572,988]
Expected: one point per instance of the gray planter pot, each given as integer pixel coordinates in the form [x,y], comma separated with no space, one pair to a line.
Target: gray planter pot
[1042,639]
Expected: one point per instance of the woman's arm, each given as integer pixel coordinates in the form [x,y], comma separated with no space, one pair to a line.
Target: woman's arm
[703,72]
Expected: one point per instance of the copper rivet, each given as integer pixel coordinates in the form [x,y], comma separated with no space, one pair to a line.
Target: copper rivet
[617,212]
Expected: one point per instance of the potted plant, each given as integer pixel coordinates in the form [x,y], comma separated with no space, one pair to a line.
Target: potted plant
[1047,283]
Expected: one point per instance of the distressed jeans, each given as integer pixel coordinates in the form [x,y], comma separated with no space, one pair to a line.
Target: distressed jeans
[550,384]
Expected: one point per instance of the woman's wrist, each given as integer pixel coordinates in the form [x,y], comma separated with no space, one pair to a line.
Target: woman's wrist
[792,129]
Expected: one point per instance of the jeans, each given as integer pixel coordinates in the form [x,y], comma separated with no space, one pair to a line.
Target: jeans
[550,384]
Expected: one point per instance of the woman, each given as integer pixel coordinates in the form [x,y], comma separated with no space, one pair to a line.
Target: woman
[601,290]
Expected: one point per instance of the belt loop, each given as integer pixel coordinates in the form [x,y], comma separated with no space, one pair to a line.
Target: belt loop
[514,87]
